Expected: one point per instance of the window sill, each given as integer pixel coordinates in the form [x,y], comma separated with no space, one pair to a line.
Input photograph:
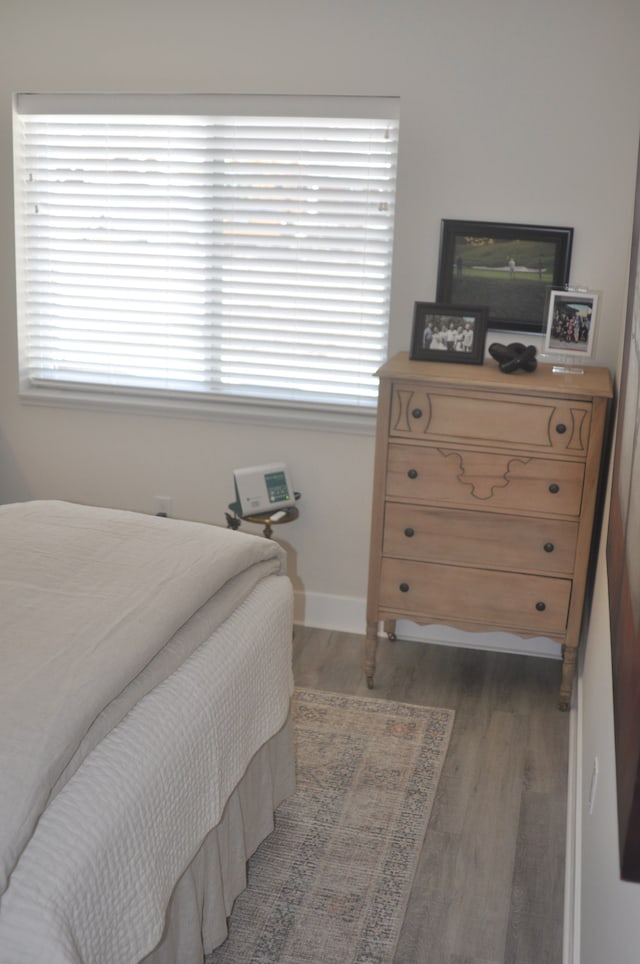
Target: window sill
[327,419]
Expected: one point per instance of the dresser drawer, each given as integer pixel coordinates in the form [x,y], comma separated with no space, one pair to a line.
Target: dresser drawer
[505,421]
[535,604]
[464,538]
[489,480]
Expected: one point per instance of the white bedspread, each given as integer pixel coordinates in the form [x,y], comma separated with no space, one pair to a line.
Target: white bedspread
[88,598]
[93,884]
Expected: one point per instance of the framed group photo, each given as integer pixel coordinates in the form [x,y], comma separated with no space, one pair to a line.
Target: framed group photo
[508,267]
[571,323]
[448,333]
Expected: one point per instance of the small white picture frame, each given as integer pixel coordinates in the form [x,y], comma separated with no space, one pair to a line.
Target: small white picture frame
[571,322]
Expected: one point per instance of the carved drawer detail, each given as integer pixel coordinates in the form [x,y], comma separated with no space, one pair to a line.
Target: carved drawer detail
[542,424]
[465,478]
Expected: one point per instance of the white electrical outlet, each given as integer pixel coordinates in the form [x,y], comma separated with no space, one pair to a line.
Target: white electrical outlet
[163,505]
[594,784]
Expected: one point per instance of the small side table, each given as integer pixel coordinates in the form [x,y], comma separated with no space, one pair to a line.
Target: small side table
[265,519]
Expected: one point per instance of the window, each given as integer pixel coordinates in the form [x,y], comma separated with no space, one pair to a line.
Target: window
[204,249]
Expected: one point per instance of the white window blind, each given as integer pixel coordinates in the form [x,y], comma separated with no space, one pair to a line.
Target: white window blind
[208,255]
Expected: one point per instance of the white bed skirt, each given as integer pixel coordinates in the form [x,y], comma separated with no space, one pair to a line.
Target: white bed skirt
[204,895]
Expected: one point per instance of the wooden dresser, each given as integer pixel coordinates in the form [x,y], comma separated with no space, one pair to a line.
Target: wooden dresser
[484,495]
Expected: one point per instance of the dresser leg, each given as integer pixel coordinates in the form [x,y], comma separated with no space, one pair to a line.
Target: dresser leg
[370,646]
[569,662]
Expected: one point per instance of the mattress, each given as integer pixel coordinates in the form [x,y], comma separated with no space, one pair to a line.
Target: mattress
[140,766]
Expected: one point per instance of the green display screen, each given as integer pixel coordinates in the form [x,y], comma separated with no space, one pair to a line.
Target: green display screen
[277,488]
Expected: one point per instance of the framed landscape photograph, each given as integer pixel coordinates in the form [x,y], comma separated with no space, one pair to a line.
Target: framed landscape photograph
[571,323]
[508,267]
[448,333]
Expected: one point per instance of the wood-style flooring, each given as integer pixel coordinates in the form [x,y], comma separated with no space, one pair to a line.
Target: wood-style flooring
[489,888]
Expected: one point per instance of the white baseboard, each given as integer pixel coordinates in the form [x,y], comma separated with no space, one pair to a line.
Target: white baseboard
[573,850]
[342,613]
[348,614]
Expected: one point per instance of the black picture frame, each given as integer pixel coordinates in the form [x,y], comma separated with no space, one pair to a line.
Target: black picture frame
[623,570]
[433,321]
[508,267]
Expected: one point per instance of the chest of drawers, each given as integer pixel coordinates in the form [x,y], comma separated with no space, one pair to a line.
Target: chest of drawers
[485,489]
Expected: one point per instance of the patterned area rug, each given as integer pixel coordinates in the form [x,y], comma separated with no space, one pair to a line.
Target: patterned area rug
[331,884]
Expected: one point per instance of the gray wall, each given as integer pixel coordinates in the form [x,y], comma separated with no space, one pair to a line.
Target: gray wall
[608,909]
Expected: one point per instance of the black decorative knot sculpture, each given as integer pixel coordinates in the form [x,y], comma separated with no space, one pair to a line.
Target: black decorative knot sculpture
[512,357]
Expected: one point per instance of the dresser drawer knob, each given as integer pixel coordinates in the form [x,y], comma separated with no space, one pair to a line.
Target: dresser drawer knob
[549,547]
[540,606]
[413,473]
[409,532]
[554,488]
[404,587]
[417,413]
[561,428]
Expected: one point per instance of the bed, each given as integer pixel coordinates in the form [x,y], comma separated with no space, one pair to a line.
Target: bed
[145,735]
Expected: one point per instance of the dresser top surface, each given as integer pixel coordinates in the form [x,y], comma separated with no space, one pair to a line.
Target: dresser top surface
[596,381]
